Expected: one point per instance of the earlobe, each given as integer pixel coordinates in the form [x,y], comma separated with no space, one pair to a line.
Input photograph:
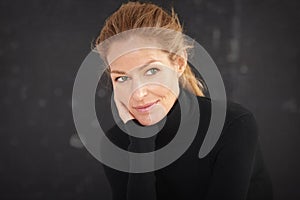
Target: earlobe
[181,65]
[180,70]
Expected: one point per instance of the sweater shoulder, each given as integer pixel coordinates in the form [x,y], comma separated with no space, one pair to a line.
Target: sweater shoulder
[234,110]
[238,120]
[239,128]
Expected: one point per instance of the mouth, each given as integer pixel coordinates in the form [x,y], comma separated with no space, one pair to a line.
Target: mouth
[146,107]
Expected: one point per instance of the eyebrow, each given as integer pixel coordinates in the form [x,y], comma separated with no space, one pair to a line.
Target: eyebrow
[140,68]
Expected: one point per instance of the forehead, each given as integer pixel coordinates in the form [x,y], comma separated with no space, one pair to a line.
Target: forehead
[138,58]
[133,49]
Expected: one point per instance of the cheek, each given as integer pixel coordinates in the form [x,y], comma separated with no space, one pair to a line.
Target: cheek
[168,77]
[121,94]
[166,96]
[163,92]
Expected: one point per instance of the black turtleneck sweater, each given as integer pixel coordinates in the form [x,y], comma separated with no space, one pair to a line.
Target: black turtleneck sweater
[233,170]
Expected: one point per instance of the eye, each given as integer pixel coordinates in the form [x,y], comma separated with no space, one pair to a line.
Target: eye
[152,71]
[121,79]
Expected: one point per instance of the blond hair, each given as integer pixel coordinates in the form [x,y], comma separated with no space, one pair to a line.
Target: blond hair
[133,15]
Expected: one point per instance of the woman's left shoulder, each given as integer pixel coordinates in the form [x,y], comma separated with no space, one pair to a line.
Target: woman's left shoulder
[238,118]
[236,111]
[233,108]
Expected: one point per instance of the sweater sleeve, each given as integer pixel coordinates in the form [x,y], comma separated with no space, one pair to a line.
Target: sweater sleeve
[117,181]
[233,159]
[131,186]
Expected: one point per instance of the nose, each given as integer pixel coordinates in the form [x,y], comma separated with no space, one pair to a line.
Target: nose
[140,93]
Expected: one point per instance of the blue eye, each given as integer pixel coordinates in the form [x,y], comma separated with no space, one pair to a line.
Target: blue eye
[121,79]
[152,71]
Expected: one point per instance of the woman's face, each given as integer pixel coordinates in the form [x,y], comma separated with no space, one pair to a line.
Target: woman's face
[145,83]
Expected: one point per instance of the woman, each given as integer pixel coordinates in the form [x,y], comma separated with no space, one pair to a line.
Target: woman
[147,85]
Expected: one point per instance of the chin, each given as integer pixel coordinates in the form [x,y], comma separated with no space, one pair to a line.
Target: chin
[156,114]
[148,121]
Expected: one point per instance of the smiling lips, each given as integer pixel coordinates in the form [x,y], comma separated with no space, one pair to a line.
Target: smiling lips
[146,107]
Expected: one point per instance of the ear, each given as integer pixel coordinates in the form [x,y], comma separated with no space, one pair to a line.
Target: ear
[181,63]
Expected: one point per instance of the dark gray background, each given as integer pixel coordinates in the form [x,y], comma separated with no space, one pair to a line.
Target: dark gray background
[42,44]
